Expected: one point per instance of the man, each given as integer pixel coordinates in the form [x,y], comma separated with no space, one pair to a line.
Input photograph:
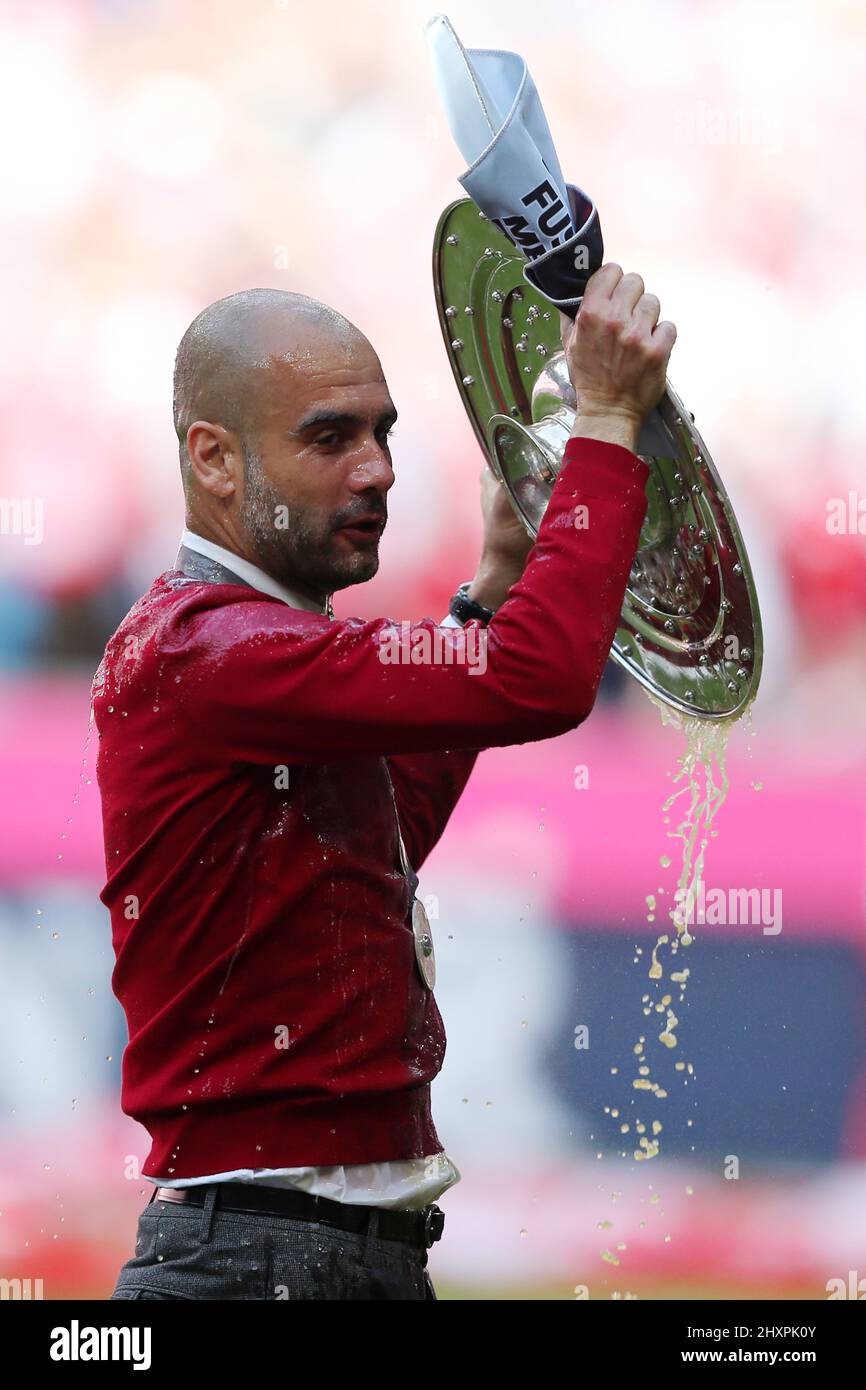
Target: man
[272,779]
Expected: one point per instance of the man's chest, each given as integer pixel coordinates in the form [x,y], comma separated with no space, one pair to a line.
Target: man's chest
[348,805]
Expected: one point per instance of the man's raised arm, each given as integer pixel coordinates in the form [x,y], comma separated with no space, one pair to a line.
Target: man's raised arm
[294,687]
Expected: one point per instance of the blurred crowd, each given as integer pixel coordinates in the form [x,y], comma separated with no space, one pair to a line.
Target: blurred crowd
[167,153]
[163,153]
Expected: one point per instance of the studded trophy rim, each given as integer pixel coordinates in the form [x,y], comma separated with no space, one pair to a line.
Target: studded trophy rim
[690,628]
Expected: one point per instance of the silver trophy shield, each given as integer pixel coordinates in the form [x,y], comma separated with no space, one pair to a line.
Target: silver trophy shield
[690,630]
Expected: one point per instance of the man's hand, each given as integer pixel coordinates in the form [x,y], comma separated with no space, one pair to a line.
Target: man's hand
[506,545]
[617,353]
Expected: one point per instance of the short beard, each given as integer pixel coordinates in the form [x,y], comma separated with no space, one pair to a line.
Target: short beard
[292,547]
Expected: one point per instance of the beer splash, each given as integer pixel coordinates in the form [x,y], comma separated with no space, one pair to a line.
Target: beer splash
[703,773]
[700,786]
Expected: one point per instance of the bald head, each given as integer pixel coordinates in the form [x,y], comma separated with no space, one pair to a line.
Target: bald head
[283,416]
[222,368]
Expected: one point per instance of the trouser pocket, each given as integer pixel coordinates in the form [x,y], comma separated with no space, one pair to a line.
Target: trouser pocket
[172,1261]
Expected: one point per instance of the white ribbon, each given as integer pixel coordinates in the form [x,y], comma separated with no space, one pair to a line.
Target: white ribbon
[499,126]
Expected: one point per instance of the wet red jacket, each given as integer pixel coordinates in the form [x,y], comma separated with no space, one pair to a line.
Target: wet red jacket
[259,914]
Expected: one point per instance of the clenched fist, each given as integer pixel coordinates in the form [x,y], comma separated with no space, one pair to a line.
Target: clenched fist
[617,353]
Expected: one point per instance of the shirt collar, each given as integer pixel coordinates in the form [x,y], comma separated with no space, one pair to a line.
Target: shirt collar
[252,574]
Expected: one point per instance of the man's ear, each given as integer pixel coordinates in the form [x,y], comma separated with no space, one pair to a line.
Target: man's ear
[215,458]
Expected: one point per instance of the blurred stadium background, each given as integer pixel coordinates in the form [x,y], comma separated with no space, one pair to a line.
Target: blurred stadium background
[159,155]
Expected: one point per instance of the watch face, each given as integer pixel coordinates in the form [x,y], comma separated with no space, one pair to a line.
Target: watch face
[467,610]
[425,956]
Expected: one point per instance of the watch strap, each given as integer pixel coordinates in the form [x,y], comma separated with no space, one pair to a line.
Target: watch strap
[465,609]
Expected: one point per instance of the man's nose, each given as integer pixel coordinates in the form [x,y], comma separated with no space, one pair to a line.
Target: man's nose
[372,468]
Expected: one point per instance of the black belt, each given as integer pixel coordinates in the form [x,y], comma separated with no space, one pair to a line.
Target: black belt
[413,1227]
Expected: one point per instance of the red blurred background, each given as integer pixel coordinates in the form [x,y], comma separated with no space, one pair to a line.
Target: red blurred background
[164,154]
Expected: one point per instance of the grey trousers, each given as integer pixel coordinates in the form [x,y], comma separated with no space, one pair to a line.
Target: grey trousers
[185,1252]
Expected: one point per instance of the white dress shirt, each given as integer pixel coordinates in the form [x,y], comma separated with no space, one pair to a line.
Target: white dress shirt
[408,1183]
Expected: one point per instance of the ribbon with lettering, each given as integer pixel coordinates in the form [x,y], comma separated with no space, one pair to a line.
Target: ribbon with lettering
[514,176]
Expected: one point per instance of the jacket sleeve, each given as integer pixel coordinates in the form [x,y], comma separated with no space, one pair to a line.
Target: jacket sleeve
[427,787]
[264,683]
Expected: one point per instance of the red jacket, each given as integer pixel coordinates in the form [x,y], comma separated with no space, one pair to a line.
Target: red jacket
[263,955]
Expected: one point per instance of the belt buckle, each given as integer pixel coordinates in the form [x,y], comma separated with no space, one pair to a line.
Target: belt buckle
[434,1225]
